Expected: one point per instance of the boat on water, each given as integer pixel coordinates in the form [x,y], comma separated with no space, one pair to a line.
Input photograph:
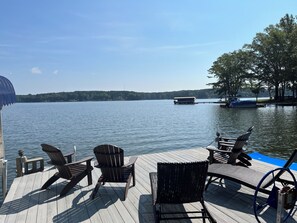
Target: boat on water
[184,100]
[237,103]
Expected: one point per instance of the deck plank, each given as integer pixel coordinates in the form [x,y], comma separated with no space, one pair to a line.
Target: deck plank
[25,202]
[42,198]
[33,200]
[17,202]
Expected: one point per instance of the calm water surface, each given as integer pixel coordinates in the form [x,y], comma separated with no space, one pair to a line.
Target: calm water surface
[141,127]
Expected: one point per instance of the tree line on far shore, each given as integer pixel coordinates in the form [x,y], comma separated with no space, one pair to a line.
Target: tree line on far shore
[123,95]
[268,63]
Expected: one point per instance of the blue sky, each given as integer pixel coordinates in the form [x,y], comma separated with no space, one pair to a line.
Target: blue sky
[144,46]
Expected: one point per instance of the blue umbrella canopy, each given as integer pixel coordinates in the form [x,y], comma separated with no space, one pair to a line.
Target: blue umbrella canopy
[7,93]
[7,97]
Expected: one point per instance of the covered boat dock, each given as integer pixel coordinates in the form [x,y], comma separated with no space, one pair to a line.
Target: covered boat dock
[184,100]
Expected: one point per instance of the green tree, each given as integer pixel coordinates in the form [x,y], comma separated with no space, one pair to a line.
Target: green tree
[268,48]
[288,26]
[274,53]
[231,71]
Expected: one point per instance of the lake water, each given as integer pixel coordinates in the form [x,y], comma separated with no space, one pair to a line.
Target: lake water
[141,127]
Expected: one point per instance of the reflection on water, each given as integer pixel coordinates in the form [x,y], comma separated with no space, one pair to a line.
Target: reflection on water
[275,128]
[141,127]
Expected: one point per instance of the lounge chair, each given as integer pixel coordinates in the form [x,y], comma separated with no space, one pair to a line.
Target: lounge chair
[74,171]
[110,160]
[178,183]
[247,176]
[229,152]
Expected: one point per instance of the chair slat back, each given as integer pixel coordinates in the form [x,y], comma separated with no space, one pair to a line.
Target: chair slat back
[110,158]
[57,159]
[238,146]
[241,141]
[181,182]
[54,154]
[109,155]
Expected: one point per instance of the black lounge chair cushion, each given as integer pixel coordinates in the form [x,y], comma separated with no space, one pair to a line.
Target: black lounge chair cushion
[239,174]
[249,177]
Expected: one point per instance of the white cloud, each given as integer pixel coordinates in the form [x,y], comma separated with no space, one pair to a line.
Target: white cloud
[36,70]
[55,72]
[177,47]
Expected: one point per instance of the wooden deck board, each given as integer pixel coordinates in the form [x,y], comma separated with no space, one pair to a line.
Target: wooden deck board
[31,216]
[25,202]
[17,203]
[41,205]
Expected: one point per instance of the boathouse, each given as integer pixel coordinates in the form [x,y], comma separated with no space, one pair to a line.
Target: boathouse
[184,100]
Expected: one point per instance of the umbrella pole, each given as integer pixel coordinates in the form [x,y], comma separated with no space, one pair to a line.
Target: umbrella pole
[3,162]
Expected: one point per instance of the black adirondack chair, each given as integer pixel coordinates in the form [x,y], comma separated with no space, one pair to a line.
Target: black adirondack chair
[74,171]
[110,160]
[178,183]
[229,152]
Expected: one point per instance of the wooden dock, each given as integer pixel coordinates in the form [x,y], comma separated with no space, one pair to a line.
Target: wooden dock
[25,202]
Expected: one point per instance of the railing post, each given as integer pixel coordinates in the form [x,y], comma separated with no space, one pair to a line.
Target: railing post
[20,163]
[3,171]
[26,166]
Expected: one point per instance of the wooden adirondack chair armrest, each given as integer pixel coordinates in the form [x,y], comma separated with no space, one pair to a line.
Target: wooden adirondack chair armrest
[87,160]
[68,156]
[213,149]
[131,161]
[228,139]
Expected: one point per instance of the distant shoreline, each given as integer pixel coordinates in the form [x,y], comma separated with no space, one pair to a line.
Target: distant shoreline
[124,95]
